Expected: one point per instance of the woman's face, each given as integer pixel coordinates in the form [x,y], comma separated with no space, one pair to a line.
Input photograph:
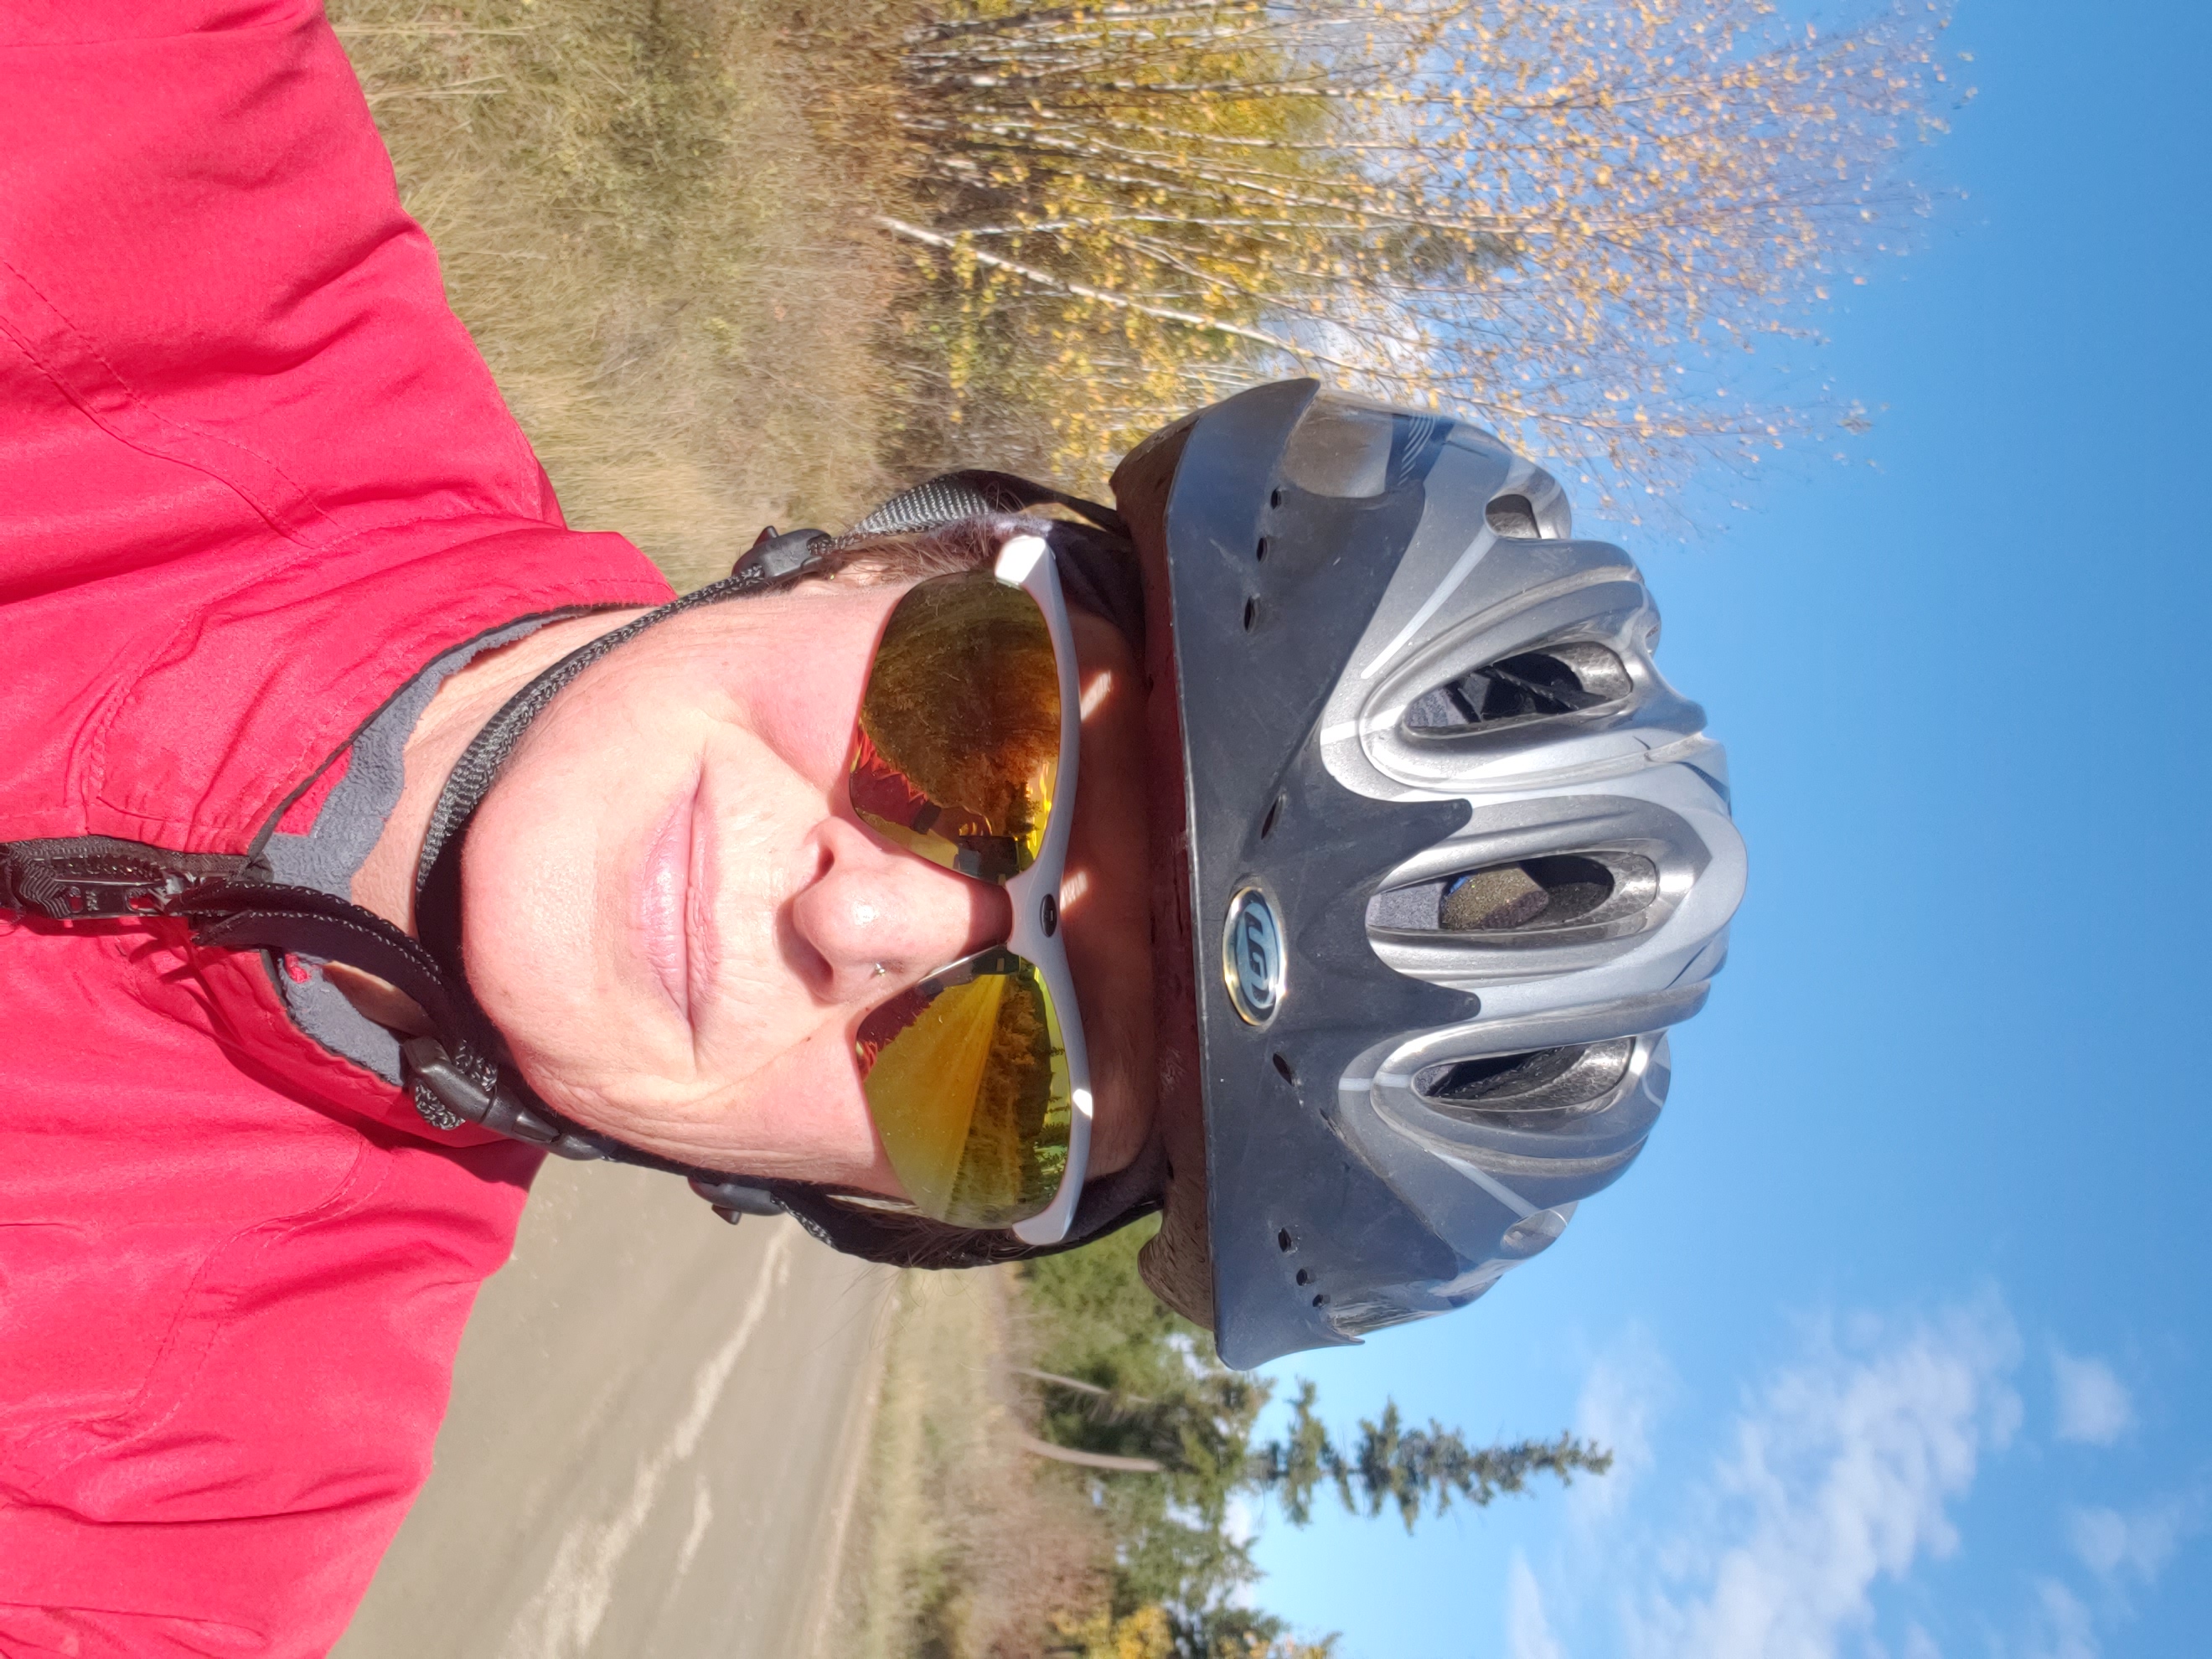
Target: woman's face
[676,921]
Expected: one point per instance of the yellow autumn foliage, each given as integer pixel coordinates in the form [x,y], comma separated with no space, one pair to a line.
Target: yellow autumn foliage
[1148,1634]
[1552,215]
[1144,1634]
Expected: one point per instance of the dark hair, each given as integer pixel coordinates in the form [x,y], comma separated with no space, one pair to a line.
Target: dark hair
[902,556]
[1097,569]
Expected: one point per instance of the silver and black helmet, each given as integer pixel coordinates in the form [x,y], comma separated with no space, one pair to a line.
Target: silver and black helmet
[1458,856]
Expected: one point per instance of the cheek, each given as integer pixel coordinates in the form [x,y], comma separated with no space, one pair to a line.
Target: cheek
[801,1116]
[543,886]
[550,874]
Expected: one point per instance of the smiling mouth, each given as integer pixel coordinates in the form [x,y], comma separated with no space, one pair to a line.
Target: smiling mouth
[667,885]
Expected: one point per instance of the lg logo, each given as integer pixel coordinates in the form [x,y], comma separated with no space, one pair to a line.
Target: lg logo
[1252,957]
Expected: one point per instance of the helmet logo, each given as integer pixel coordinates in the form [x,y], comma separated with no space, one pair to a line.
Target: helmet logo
[1252,957]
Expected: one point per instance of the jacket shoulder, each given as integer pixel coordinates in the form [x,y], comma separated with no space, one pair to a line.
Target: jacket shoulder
[263,473]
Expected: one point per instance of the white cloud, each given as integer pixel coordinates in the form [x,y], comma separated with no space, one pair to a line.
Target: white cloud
[1528,1631]
[1841,1472]
[2134,1545]
[2094,1404]
[2059,1626]
[1627,1387]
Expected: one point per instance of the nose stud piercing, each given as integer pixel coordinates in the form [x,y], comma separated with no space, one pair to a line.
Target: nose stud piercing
[879,970]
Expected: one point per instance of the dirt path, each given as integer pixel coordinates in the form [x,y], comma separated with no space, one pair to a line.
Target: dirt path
[657,1424]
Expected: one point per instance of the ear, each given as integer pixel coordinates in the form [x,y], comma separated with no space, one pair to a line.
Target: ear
[1177,1263]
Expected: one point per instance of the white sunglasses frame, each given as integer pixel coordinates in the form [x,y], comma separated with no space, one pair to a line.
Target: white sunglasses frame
[1026,562]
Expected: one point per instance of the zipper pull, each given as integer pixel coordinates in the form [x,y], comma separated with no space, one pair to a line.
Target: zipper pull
[97,879]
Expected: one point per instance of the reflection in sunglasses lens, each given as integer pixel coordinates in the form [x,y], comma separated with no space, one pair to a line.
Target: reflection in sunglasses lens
[967,1079]
[958,748]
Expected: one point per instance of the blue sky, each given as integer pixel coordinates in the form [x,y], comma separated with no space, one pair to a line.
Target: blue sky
[1897,1325]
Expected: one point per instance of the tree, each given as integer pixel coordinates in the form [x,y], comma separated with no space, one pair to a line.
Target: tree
[1405,1467]
[1551,214]
[1151,1631]
[1124,1382]
[1124,1377]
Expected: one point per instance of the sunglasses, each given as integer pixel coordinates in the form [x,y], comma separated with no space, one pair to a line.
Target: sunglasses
[965,753]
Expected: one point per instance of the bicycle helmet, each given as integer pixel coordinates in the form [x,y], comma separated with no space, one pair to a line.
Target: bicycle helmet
[1455,857]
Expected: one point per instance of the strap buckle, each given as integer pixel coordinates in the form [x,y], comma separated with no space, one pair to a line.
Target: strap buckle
[431,1070]
[734,1198]
[92,899]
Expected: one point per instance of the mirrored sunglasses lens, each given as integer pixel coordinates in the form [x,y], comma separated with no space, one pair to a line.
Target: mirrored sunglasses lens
[957,750]
[967,1079]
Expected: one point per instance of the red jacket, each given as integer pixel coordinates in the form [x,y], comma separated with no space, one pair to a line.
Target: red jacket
[252,477]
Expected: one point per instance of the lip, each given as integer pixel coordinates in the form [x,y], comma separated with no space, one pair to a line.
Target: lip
[666,887]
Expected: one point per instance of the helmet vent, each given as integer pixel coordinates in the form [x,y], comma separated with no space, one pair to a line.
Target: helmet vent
[1572,677]
[1535,895]
[1533,1087]
[1514,516]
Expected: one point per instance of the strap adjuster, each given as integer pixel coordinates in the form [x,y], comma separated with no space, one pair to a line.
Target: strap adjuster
[735,1198]
[431,1069]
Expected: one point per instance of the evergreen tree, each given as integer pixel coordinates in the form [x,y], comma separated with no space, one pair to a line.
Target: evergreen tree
[1119,1376]
[1405,1467]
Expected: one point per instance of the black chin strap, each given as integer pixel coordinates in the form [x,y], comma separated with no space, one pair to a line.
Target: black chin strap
[438,871]
[461,1072]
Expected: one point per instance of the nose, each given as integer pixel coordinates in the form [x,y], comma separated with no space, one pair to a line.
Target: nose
[869,903]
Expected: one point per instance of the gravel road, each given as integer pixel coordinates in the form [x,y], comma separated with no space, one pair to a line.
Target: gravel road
[657,1424]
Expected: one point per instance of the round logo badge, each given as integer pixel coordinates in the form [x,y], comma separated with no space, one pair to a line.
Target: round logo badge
[1252,957]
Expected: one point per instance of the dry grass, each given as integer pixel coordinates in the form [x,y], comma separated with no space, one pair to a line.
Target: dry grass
[655,218]
[959,1550]
[668,268]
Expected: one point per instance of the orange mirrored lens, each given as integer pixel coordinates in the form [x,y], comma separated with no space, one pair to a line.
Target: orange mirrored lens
[966,1077]
[957,750]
